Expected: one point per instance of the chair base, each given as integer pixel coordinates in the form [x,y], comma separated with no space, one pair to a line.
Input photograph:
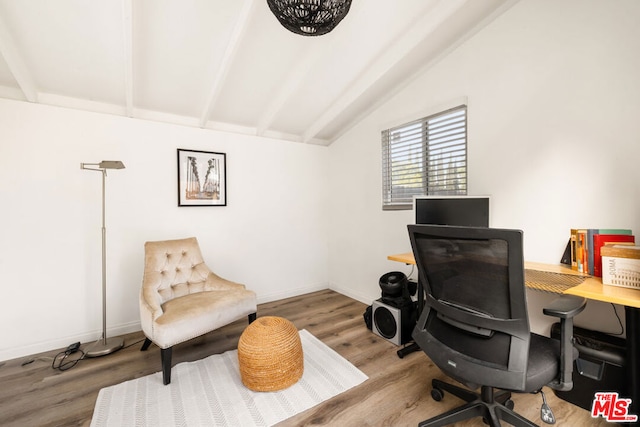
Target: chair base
[490,405]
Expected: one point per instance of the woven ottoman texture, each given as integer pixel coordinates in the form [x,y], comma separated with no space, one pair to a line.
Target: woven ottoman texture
[270,354]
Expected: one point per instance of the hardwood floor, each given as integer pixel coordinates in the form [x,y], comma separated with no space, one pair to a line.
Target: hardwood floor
[397,392]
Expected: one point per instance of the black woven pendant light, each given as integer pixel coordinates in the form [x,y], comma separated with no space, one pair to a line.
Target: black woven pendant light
[309,17]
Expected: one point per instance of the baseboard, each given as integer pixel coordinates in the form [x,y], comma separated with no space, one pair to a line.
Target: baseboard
[63,342]
[291,292]
[366,299]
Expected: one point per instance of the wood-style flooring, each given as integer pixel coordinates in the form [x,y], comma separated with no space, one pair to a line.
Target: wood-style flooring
[397,392]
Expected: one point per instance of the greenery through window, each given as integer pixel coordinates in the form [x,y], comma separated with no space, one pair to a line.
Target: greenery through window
[425,157]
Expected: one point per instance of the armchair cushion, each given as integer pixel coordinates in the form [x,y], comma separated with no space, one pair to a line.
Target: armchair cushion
[192,315]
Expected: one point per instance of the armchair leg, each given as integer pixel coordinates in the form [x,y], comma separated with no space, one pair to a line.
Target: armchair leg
[252,317]
[145,346]
[165,357]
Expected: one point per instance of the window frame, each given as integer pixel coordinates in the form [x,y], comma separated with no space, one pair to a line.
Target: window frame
[437,140]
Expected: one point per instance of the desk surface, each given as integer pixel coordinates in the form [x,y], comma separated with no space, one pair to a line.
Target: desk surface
[592,288]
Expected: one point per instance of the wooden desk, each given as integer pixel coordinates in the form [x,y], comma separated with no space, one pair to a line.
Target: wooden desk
[593,289]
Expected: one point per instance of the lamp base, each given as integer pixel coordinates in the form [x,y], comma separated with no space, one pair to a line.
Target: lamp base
[104,347]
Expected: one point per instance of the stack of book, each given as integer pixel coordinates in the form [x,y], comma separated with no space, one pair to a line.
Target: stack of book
[587,243]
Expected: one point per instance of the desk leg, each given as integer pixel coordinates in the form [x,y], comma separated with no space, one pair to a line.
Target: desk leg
[413,346]
[632,317]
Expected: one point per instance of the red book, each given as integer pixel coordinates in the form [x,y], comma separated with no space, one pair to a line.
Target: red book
[599,240]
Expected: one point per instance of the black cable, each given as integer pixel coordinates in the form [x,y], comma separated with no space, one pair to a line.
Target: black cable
[619,320]
[61,363]
[133,343]
[61,359]
[413,267]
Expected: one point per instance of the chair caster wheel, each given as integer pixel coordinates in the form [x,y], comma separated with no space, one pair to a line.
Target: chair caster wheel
[437,394]
[509,404]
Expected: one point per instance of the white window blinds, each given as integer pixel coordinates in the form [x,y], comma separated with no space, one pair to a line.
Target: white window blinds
[425,157]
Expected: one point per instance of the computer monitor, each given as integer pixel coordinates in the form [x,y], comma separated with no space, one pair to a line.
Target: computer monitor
[468,211]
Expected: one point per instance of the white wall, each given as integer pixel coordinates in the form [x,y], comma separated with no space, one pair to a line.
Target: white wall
[554,137]
[272,236]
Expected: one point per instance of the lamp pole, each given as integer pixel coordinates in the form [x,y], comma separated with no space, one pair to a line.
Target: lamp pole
[105,345]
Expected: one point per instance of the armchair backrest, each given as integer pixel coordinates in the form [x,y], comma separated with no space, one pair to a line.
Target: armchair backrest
[474,324]
[173,268]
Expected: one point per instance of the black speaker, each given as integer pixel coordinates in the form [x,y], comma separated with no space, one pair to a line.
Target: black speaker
[393,323]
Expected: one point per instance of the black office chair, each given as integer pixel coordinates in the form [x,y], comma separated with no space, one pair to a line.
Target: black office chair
[474,323]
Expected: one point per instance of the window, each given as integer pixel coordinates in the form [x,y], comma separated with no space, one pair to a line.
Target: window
[425,157]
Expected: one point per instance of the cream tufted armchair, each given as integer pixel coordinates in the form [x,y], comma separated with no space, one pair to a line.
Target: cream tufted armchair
[182,299]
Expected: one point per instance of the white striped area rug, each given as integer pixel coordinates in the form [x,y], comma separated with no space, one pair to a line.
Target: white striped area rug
[209,392]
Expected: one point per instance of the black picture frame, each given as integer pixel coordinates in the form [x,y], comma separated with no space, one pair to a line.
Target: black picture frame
[202,178]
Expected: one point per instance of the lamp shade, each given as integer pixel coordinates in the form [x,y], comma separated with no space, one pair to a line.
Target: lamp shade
[309,17]
[111,164]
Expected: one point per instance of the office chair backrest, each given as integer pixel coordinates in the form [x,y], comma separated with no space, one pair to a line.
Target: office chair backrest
[474,324]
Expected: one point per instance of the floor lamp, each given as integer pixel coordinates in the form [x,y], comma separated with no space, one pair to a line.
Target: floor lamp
[104,346]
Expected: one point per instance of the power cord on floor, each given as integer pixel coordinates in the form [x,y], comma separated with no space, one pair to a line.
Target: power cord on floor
[133,343]
[71,356]
[60,361]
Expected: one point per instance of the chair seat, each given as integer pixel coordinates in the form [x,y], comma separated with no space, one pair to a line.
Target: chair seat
[192,315]
[543,364]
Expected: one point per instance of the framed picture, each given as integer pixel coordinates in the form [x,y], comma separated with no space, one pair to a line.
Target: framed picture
[202,178]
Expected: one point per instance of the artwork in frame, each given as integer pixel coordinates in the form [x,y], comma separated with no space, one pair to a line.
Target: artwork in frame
[202,178]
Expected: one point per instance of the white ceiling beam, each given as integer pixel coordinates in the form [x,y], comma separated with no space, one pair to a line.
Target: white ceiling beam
[227,60]
[423,25]
[16,64]
[292,82]
[473,30]
[80,104]
[127,41]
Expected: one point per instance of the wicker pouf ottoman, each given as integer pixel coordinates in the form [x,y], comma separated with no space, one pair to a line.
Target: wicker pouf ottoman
[270,354]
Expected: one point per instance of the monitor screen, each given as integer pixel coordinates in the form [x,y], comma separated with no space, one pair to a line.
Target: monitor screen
[468,211]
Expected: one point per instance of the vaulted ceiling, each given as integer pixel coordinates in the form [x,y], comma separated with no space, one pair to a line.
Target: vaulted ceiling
[225,64]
